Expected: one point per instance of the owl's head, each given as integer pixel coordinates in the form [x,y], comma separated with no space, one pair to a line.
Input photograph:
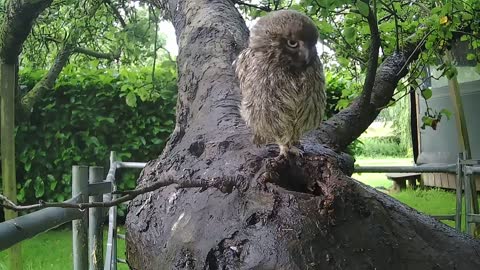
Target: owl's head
[288,37]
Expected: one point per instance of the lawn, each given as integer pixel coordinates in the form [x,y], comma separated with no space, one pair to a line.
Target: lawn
[38,252]
[53,251]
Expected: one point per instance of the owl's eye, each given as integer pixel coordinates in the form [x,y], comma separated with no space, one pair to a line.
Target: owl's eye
[292,43]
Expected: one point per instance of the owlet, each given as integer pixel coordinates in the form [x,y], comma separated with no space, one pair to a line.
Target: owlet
[281,80]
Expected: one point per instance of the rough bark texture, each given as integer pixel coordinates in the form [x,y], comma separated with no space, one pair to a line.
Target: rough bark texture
[17,25]
[260,212]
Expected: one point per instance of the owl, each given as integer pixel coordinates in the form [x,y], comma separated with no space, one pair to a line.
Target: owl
[281,80]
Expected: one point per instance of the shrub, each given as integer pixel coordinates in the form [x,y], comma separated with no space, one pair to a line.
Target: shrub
[90,112]
[381,147]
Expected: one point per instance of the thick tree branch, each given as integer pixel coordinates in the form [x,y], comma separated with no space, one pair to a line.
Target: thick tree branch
[116,12]
[100,55]
[48,81]
[343,128]
[17,25]
[372,63]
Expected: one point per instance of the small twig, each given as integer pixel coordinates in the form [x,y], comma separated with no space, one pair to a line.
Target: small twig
[263,8]
[128,195]
[417,48]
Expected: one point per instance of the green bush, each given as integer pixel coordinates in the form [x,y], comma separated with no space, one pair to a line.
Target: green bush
[341,90]
[94,110]
[381,147]
[90,112]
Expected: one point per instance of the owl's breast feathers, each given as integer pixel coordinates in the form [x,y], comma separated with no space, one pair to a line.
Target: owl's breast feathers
[278,103]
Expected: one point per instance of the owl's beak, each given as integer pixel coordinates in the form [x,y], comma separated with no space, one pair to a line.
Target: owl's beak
[307,56]
[304,54]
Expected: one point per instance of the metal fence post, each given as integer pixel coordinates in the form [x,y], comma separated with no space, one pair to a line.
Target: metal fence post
[80,226]
[468,200]
[459,191]
[95,221]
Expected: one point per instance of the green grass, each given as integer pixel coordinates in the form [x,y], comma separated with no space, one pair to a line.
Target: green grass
[53,251]
[429,201]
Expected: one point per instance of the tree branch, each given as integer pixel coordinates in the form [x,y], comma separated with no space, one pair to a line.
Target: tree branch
[263,8]
[343,128]
[372,63]
[127,195]
[92,53]
[16,26]
[48,81]
[116,13]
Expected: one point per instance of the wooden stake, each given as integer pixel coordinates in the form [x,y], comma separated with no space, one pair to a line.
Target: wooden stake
[7,145]
[463,139]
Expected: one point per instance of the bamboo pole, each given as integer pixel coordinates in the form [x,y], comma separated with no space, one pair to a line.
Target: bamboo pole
[463,138]
[7,145]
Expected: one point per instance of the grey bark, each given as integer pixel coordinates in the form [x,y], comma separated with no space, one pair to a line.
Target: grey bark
[256,212]
[16,26]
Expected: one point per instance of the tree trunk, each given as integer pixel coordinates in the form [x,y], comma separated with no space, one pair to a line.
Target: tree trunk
[247,210]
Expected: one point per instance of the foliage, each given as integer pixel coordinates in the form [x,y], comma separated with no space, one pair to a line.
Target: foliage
[341,90]
[92,111]
[100,26]
[432,27]
[399,115]
[376,147]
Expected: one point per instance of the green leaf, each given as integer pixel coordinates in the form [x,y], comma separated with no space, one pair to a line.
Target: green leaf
[447,113]
[471,56]
[427,93]
[349,34]
[451,72]
[131,99]
[21,195]
[27,166]
[467,16]
[39,187]
[363,7]
[59,197]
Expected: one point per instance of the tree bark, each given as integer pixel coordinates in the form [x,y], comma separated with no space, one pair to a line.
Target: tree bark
[17,25]
[251,211]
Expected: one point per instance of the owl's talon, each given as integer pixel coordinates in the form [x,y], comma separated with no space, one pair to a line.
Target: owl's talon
[296,151]
[285,150]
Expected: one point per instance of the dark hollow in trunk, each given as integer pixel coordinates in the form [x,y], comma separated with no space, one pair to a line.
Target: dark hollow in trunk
[257,212]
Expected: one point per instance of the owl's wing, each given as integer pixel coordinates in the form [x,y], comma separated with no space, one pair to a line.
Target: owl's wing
[241,65]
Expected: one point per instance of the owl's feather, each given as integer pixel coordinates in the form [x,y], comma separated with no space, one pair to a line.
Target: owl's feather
[281,100]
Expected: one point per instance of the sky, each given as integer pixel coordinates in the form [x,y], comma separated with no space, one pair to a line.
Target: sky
[167,29]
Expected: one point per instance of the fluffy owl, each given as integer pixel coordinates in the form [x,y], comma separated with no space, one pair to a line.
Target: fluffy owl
[281,80]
